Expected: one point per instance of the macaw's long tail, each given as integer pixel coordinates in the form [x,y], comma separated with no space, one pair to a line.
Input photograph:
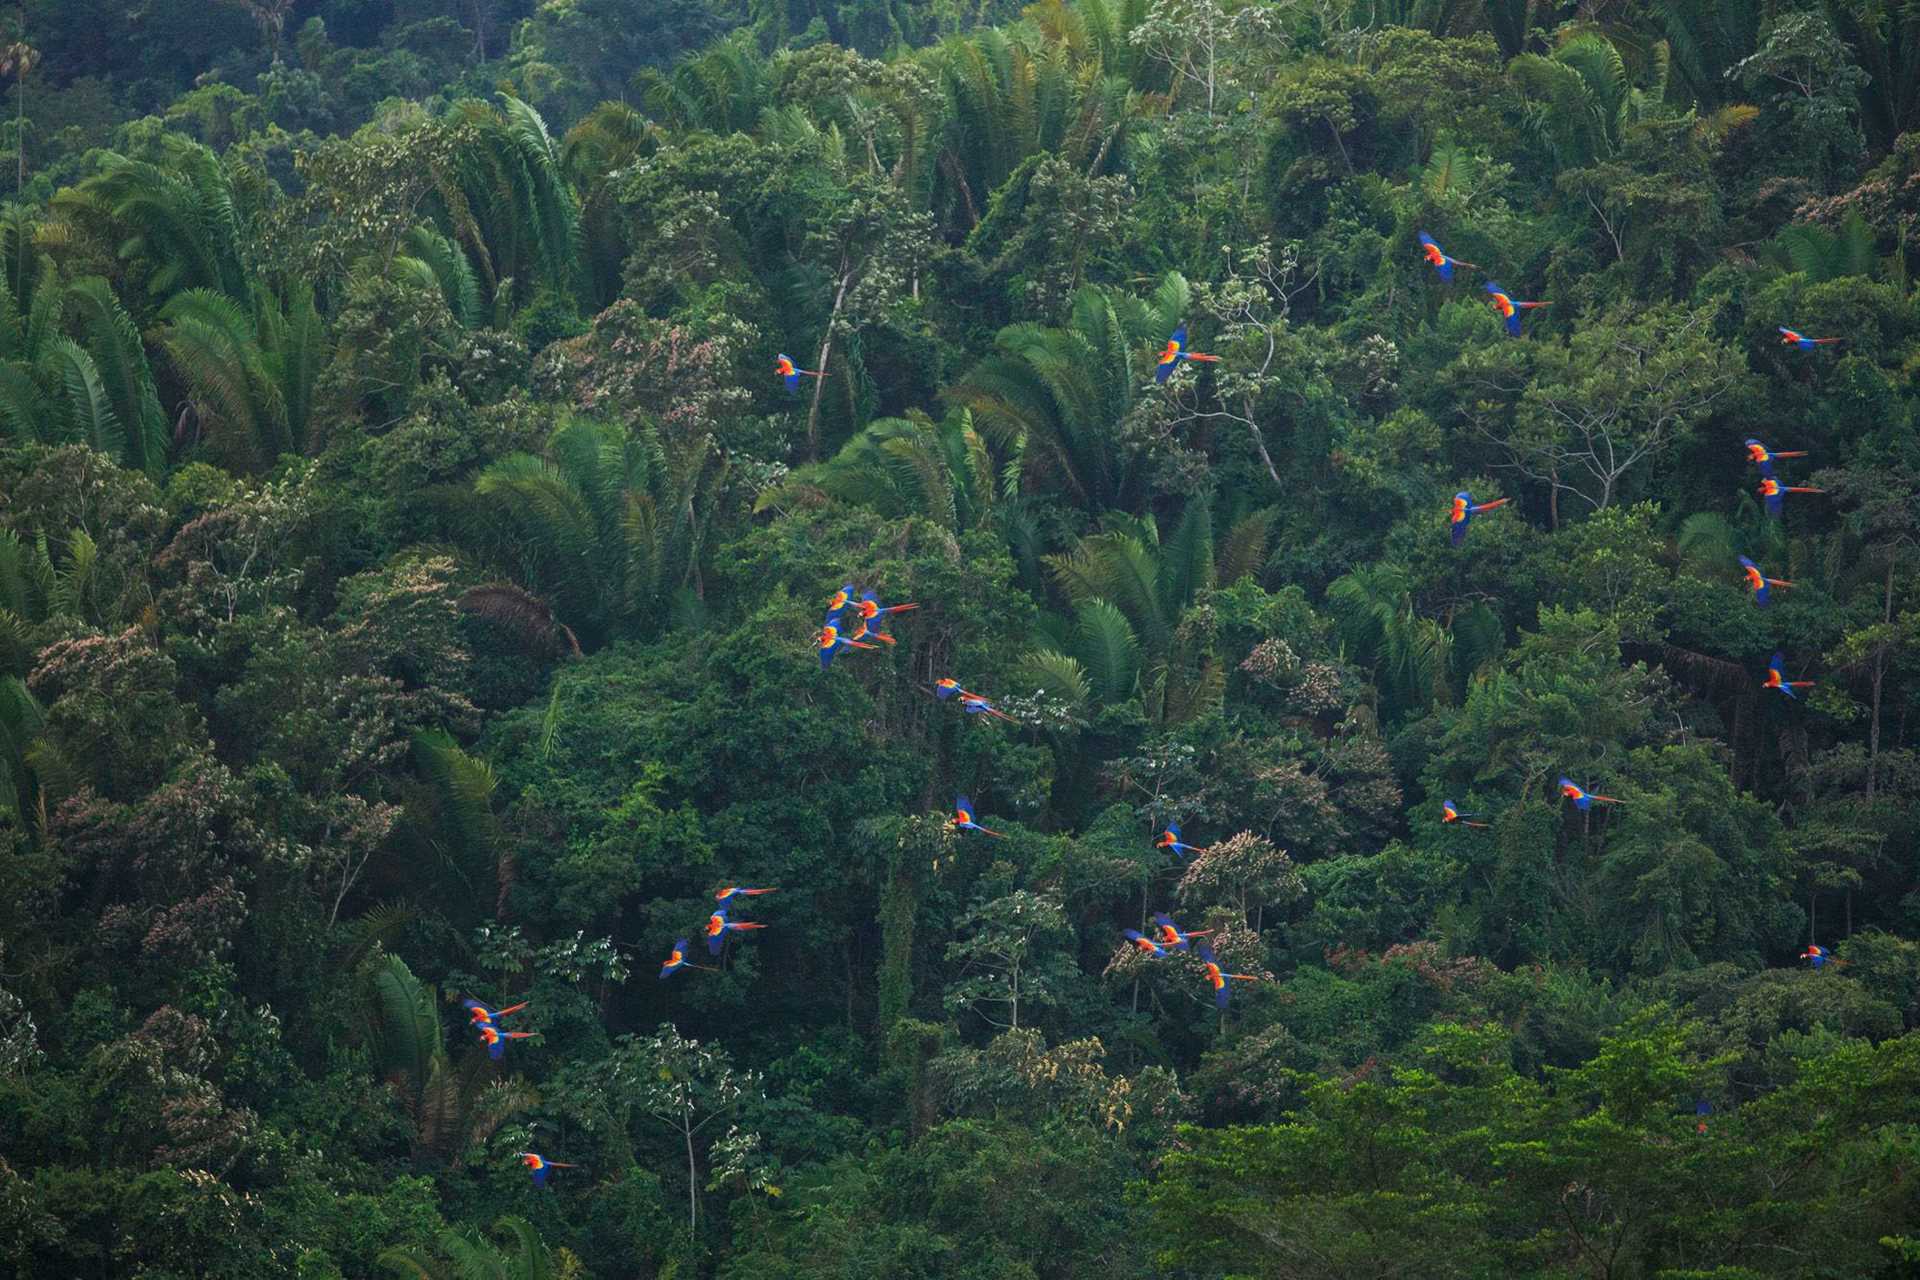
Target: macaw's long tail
[995,711]
[1801,488]
[1607,799]
[1797,453]
[1195,355]
[1465,823]
[1531,305]
[744,924]
[512,1008]
[901,608]
[999,834]
[1491,506]
[1826,340]
[859,644]
[1799,684]
[882,637]
[1778,582]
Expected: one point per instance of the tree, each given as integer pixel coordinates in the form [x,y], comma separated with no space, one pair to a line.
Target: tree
[1015,948]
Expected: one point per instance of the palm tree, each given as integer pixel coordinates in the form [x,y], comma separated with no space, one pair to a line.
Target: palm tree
[604,522]
[1410,655]
[463,1255]
[178,222]
[722,90]
[1055,398]
[517,212]
[231,385]
[904,467]
[1824,255]
[606,141]
[450,1107]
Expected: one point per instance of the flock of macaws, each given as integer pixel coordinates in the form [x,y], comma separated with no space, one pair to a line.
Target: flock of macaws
[864,632]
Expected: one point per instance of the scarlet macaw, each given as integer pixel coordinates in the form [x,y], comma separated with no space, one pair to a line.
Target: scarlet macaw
[962,819]
[1170,839]
[1145,945]
[539,1165]
[1701,1110]
[1175,352]
[718,926]
[1776,678]
[1758,583]
[1450,814]
[870,608]
[1816,955]
[1222,987]
[733,891]
[677,960]
[1583,800]
[1763,457]
[496,1039]
[840,600]
[1464,510]
[1440,261]
[1775,494]
[1793,339]
[1509,309]
[830,642]
[946,687]
[480,1015]
[974,705]
[1172,936]
[864,631]
[790,375]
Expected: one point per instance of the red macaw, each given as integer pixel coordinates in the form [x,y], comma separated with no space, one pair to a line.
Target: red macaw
[539,1165]
[974,706]
[1172,936]
[1816,955]
[677,960]
[1776,678]
[864,631]
[1775,494]
[870,608]
[1701,1110]
[840,600]
[1465,509]
[830,641]
[733,891]
[1763,457]
[1792,339]
[496,1039]
[962,819]
[946,687]
[1758,583]
[790,375]
[718,926]
[1221,980]
[480,1015]
[1508,309]
[1174,353]
[1144,945]
[1583,799]
[1450,814]
[1170,839]
[1439,260]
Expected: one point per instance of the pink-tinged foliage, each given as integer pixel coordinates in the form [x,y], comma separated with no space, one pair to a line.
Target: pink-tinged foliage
[1246,871]
[631,366]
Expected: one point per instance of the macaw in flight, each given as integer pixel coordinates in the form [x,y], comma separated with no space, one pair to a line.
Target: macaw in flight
[733,891]
[1170,839]
[870,608]
[790,375]
[1172,936]
[1816,955]
[972,703]
[1144,945]
[1776,493]
[1175,352]
[1450,814]
[1464,510]
[1763,457]
[678,960]
[718,926]
[830,641]
[840,599]
[1221,980]
[539,1165]
[1792,339]
[1439,260]
[496,1039]
[1509,309]
[1776,678]
[864,632]
[1583,800]
[1701,1110]
[1759,583]
[479,1015]
[962,819]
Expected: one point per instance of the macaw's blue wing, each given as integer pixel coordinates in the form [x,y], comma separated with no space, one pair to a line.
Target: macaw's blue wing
[1224,994]
[1162,918]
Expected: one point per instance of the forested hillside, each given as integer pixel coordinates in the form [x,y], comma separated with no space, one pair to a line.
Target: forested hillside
[444,448]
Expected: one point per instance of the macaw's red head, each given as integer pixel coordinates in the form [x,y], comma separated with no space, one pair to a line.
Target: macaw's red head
[1755,579]
[1769,488]
[829,636]
[1432,253]
[1570,791]
[716,924]
[1789,337]
[1170,354]
[783,366]
[1502,303]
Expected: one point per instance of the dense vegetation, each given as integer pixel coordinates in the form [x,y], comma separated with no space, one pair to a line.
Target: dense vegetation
[408,565]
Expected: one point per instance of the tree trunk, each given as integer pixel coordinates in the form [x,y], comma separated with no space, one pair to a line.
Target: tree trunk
[1260,443]
[693,1178]
[826,350]
[1879,679]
